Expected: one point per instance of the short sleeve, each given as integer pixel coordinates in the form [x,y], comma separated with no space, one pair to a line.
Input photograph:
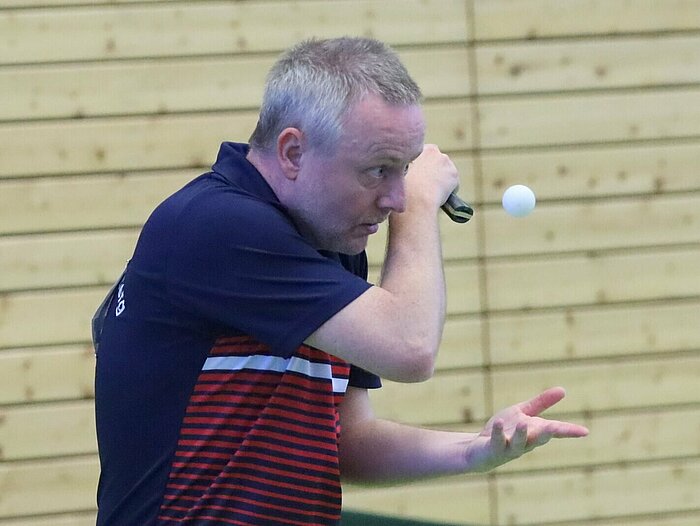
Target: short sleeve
[241,262]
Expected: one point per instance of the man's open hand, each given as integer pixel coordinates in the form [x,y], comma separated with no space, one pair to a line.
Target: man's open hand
[517,430]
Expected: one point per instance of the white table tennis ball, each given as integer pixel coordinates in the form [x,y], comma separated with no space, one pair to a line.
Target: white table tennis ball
[519,200]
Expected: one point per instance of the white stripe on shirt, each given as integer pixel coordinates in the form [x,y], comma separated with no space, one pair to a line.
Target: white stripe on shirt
[276,364]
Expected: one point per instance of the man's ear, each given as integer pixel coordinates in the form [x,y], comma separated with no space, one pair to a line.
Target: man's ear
[290,146]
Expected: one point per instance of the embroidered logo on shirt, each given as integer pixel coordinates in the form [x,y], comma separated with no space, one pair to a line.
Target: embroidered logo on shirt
[121,305]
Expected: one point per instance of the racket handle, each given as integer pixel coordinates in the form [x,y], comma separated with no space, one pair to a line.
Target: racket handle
[457,210]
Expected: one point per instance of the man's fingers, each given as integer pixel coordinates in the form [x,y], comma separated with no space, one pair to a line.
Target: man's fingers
[555,429]
[566,430]
[498,437]
[518,441]
[542,401]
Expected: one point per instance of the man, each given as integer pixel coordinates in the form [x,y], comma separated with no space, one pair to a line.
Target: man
[239,345]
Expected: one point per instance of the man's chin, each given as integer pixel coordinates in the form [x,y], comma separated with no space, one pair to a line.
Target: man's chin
[351,247]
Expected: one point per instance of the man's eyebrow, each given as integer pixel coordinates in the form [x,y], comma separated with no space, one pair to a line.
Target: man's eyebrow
[390,159]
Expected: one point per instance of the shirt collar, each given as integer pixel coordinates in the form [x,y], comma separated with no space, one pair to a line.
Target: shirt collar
[232,164]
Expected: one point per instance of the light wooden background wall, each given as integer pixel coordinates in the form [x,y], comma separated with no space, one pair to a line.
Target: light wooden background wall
[108,106]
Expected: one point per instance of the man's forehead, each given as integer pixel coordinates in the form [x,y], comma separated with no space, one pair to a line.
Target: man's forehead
[395,152]
[399,137]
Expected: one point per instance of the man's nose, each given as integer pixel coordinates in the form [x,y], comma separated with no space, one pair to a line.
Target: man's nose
[393,196]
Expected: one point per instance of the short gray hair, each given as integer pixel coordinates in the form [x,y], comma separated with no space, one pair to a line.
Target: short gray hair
[313,84]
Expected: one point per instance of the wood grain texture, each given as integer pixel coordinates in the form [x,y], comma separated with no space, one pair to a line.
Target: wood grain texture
[48,318]
[626,384]
[43,374]
[87,518]
[604,493]
[160,142]
[50,430]
[118,144]
[461,344]
[90,202]
[595,332]
[581,173]
[457,501]
[449,397]
[584,226]
[199,28]
[594,279]
[109,106]
[64,260]
[637,437]
[65,485]
[591,118]
[639,62]
[174,85]
[532,19]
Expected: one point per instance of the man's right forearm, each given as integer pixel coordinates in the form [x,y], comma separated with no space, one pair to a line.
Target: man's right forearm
[413,274]
[394,329]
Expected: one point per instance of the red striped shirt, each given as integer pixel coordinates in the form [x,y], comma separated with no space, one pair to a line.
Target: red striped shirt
[259,440]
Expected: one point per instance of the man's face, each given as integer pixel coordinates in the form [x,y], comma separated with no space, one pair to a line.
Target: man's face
[345,193]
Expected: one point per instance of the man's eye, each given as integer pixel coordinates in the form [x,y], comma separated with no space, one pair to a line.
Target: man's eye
[377,172]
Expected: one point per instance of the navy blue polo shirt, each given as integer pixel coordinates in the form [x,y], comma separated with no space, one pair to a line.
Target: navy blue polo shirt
[209,407]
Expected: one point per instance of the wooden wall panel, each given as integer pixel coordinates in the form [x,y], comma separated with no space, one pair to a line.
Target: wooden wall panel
[63,3]
[461,344]
[595,225]
[675,519]
[86,202]
[460,397]
[47,430]
[594,279]
[594,332]
[628,384]
[64,260]
[71,519]
[48,486]
[108,145]
[506,19]
[587,172]
[455,501]
[47,318]
[133,87]
[590,118]
[637,437]
[158,142]
[589,64]
[198,28]
[213,83]
[462,282]
[47,374]
[605,493]
[593,103]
